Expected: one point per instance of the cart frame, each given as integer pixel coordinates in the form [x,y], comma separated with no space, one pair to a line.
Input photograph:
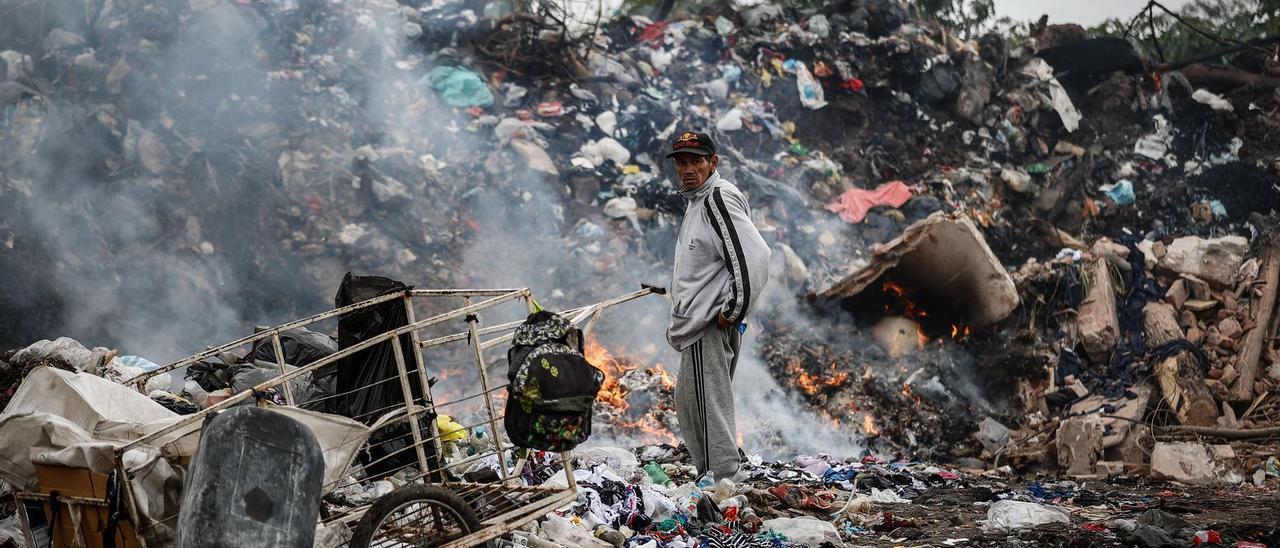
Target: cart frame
[502,507]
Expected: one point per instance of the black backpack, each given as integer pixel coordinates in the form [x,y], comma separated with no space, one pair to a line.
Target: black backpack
[552,386]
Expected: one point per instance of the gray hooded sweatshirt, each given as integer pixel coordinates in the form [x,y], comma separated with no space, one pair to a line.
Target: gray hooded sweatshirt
[721,263]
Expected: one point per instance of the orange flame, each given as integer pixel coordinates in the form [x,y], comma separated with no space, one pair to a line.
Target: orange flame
[912,310]
[869,425]
[812,384]
[614,394]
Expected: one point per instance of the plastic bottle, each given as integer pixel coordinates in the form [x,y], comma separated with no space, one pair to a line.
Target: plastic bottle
[479,442]
[610,535]
[695,497]
[737,501]
[724,489]
[656,474]
[707,480]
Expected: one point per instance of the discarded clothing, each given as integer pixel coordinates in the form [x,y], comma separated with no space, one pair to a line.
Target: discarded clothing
[801,498]
[853,205]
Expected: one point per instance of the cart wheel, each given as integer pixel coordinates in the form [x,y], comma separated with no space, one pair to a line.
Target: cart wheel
[415,515]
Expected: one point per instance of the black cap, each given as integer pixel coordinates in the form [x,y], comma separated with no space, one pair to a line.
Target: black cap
[693,143]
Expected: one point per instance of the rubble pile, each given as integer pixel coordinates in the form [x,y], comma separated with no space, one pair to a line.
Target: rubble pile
[1143,341]
[992,257]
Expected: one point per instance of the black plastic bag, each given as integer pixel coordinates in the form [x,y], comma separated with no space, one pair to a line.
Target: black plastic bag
[365,378]
[301,347]
[211,374]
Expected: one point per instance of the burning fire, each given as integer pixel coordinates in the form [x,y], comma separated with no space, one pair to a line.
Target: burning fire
[869,426]
[812,384]
[912,311]
[614,393]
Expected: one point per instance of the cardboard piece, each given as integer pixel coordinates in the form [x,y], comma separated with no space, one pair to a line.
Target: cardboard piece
[946,255]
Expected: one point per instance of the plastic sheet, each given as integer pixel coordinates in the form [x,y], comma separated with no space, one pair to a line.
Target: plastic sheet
[1009,515]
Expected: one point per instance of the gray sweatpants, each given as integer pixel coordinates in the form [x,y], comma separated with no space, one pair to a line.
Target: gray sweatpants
[704,401]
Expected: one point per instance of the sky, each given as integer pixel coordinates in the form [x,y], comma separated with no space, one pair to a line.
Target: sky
[1085,12]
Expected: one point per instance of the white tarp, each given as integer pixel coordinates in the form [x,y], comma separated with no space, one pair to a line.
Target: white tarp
[79,419]
[107,411]
[91,402]
[32,438]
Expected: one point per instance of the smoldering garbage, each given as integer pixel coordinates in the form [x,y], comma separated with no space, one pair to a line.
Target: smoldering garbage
[172,175]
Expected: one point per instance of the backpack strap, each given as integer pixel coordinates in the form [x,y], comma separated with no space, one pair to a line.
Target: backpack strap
[570,404]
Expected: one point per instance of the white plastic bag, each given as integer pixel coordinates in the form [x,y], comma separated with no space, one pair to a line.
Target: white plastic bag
[1010,515]
[621,461]
[819,25]
[607,148]
[1215,102]
[564,533]
[731,121]
[608,122]
[805,530]
[63,349]
[811,94]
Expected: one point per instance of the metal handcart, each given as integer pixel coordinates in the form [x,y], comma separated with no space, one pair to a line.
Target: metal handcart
[435,507]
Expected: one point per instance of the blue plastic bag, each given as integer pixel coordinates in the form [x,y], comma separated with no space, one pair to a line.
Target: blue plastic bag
[458,87]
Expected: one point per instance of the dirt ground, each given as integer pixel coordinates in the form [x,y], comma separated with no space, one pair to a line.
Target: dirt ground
[949,516]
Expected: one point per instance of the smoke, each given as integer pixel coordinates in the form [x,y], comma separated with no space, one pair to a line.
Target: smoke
[143,199]
[205,168]
[776,424]
[116,287]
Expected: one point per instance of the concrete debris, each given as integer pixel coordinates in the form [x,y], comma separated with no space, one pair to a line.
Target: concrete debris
[1213,260]
[1188,462]
[1080,444]
[1097,321]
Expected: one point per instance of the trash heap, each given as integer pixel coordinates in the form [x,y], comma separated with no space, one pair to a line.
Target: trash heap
[1012,255]
[651,497]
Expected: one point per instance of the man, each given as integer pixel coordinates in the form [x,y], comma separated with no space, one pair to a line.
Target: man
[721,267]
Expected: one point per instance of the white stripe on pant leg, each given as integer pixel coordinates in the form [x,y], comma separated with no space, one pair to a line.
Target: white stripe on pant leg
[702,406]
[706,433]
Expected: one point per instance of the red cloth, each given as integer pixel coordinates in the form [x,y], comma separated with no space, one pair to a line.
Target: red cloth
[853,205]
[852,84]
[654,32]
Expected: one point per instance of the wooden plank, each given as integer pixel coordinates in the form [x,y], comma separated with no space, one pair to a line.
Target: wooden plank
[1180,377]
[1254,341]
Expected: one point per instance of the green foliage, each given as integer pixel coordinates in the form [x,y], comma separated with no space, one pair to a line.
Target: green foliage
[1224,20]
[967,18]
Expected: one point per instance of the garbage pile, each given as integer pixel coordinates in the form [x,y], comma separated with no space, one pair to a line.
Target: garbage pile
[1003,255]
[650,497]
